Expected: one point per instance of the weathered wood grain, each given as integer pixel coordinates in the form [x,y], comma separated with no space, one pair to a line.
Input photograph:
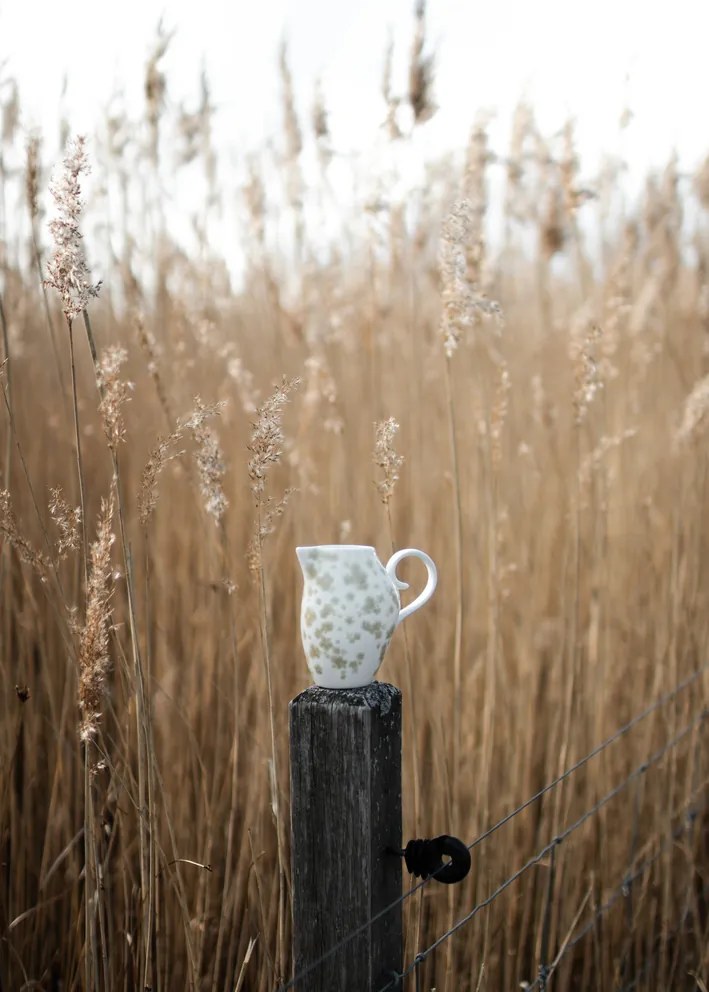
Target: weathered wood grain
[345,811]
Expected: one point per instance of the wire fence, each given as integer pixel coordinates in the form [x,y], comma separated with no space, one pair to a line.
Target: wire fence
[548,851]
[643,970]
[620,892]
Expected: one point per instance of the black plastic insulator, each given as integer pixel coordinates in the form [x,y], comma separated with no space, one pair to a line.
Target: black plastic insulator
[424,859]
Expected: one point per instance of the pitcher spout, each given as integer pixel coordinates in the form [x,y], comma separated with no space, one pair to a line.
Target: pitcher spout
[306,556]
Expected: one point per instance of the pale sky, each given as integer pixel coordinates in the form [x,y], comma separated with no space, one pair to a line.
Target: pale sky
[565,59]
[588,61]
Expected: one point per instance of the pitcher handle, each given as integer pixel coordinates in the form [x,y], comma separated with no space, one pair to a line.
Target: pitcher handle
[430,585]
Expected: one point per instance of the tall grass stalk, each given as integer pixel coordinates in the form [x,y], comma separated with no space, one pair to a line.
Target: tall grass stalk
[457,528]
[144,737]
[90,879]
[6,371]
[266,449]
[279,961]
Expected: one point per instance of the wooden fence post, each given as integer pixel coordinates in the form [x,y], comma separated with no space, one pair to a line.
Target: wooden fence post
[345,811]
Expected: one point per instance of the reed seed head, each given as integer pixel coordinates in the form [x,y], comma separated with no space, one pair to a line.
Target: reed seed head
[499,412]
[587,372]
[294,138]
[695,416]
[67,269]
[267,438]
[421,70]
[10,533]
[463,303]
[67,522]
[93,638]
[159,457]
[386,458]
[266,447]
[209,457]
[115,394]
[33,169]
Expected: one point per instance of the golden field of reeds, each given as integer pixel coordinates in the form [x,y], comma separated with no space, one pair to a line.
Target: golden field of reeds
[552,413]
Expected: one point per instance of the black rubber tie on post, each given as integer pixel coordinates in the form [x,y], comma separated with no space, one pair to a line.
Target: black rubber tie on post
[424,859]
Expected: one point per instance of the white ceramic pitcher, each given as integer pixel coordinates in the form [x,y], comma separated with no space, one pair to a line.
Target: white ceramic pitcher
[351,608]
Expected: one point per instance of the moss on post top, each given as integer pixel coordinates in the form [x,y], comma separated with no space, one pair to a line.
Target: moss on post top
[379,696]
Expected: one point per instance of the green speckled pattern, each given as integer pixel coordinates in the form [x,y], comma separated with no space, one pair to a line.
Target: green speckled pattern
[349,612]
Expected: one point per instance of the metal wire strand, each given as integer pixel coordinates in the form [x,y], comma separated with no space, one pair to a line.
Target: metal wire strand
[608,742]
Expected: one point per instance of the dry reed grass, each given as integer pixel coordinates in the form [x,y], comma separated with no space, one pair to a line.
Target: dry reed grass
[555,469]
